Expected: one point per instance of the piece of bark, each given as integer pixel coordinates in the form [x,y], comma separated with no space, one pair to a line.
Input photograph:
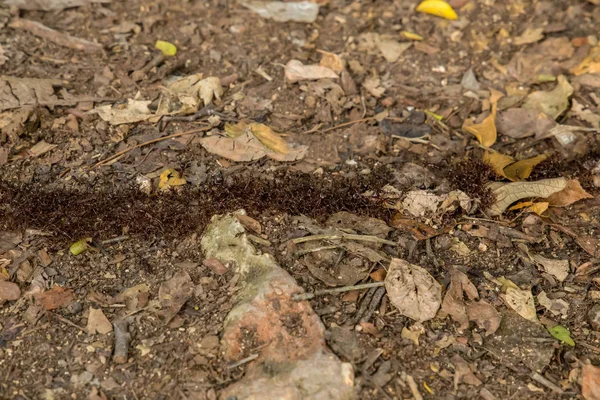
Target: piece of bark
[53,36]
[121,341]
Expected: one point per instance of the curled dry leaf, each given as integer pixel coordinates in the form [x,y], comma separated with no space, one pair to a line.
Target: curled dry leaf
[132,111]
[485,316]
[521,170]
[553,102]
[520,300]
[506,194]
[523,122]
[485,132]
[19,92]
[412,290]
[453,303]
[463,372]
[56,297]
[558,268]
[590,382]
[570,194]
[372,84]
[173,294]
[331,61]
[295,71]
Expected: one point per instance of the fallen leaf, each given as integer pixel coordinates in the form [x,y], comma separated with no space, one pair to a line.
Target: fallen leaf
[585,114]
[439,8]
[50,5]
[553,102]
[539,208]
[497,161]
[421,202]
[9,291]
[589,65]
[420,231]
[12,123]
[519,123]
[392,49]
[413,332]
[530,35]
[295,71]
[170,178]
[331,61]
[561,333]
[168,49]
[372,84]
[463,373]
[40,148]
[570,194]
[174,293]
[130,112]
[521,170]
[557,307]
[590,382]
[412,290]
[453,303]
[485,316]
[135,297]
[558,268]
[485,132]
[56,297]
[509,193]
[520,300]
[269,138]
[98,323]
[20,92]
[209,89]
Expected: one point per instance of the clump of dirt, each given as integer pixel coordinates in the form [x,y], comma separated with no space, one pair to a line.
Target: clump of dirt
[472,176]
[73,214]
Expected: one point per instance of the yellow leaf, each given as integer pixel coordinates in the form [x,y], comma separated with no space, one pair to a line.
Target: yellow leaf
[80,246]
[411,35]
[485,132]
[434,115]
[234,131]
[521,170]
[539,208]
[497,161]
[169,178]
[439,8]
[168,49]
[4,276]
[590,64]
[521,205]
[269,138]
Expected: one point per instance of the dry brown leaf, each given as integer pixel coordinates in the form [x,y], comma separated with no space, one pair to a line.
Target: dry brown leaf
[420,231]
[506,194]
[412,290]
[98,323]
[247,147]
[295,71]
[331,61]
[463,373]
[523,122]
[558,268]
[135,297]
[19,92]
[485,316]
[497,161]
[12,123]
[173,294]
[392,49]
[372,84]
[485,132]
[520,300]
[40,148]
[269,138]
[454,304]
[9,291]
[521,170]
[590,65]
[539,208]
[570,194]
[50,5]
[56,297]
[553,102]
[590,382]
[530,35]
[130,112]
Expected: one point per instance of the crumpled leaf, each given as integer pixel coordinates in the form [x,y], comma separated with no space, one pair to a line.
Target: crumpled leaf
[585,114]
[270,139]
[572,193]
[296,71]
[391,49]
[453,303]
[331,61]
[12,123]
[530,35]
[40,148]
[173,294]
[421,202]
[520,300]
[553,102]
[56,297]
[130,112]
[485,316]
[557,307]
[412,290]
[521,170]
[523,122]
[485,132]
[170,178]
[590,65]
[98,323]
[463,373]
[539,208]
[135,297]
[20,92]
[372,84]
[558,268]
[439,8]
[168,49]
[497,161]
[9,291]
[508,193]
[561,333]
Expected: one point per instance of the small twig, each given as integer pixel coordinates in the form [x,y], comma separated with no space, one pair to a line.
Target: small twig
[540,379]
[127,150]
[344,236]
[308,296]
[414,389]
[242,361]
[115,240]
[66,321]
[345,124]
[155,62]
[373,304]
[121,341]
[588,346]
[62,39]
[301,253]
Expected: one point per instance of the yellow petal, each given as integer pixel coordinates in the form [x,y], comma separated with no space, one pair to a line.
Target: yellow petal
[269,138]
[521,170]
[411,35]
[439,8]
[497,161]
[168,49]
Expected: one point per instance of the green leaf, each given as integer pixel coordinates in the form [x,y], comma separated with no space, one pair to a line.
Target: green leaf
[561,333]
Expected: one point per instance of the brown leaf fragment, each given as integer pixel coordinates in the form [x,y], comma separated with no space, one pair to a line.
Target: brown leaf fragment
[506,194]
[463,372]
[56,297]
[173,294]
[62,39]
[454,303]
[19,92]
[570,194]
[485,316]
[40,148]
[553,102]
[523,122]
[98,323]
[295,71]
[9,291]
[590,382]
[50,5]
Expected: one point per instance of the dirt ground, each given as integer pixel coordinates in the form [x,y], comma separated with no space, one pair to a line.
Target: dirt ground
[380,140]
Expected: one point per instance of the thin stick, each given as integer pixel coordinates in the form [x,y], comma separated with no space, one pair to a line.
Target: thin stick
[414,389]
[308,296]
[115,240]
[301,253]
[242,361]
[66,321]
[160,139]
[550,385]
[121,341]
[62,39]
[344,236]
[347,124]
